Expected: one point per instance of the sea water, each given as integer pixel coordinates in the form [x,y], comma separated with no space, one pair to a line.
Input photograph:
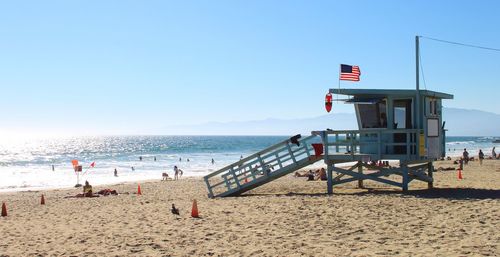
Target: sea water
[27,164]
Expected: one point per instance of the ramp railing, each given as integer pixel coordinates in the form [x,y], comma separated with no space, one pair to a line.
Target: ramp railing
[262,167]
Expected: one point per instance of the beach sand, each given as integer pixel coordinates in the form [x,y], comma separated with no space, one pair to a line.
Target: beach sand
[288,217]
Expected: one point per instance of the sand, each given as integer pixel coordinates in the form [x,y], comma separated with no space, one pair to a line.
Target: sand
[288,217]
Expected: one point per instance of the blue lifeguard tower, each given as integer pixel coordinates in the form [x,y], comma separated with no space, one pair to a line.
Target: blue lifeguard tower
[401,126]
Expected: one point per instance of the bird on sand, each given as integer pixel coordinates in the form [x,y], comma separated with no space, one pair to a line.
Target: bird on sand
[175,210]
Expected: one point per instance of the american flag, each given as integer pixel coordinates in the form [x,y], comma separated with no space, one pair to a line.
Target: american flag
[348,72]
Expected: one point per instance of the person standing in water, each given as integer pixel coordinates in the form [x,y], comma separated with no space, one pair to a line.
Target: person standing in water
[155,158]
[53,168]
[116,173]
[140,158]
[213,161]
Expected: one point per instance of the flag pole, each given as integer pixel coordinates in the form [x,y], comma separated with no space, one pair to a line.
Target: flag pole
[417,93]
[339,81]
[85,172]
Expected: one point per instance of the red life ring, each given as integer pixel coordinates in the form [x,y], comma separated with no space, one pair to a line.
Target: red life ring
[328,102]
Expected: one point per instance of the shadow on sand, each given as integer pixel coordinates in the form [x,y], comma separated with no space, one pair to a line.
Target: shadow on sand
[444,193]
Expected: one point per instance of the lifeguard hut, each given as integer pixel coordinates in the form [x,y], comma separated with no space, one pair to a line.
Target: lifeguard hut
[404,127]
[393,125]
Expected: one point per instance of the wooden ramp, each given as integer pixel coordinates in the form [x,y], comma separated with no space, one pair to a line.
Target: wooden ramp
[263,167]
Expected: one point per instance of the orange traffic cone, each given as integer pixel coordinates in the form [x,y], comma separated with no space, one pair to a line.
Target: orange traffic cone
[194,210]
[4,210]
[459,174]
[139,189]
[42,202]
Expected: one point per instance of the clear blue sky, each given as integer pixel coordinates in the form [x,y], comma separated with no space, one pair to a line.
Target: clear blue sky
[109,67]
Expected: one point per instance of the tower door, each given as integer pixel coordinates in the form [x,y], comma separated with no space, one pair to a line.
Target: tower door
[402,120]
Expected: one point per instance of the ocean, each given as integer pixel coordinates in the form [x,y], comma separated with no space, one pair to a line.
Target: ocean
[27,164]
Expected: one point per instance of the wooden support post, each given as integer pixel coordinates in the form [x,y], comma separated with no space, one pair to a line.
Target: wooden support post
[307,150]
[330,178]
[235,177]
[360,171]
[430,170]
[290,152]
[227,183]
[279,161]
[336,142]
[210,192]
[379,143]
[406,178]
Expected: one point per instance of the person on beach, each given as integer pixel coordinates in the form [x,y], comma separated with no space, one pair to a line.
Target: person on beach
[493,154]
[154,158]
[180,159]
[466,156]
[481,157]
[53,168]
[310,176]
[298,174]
[176,173]
[116,173]
[321,175]
[213,161]
[140,158]
[133,169]
[87,189]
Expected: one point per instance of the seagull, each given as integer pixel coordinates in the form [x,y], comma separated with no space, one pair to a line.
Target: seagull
[175,210]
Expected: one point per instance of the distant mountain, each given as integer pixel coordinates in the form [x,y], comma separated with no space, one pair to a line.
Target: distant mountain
[459,122]
[267,126]
[463,122]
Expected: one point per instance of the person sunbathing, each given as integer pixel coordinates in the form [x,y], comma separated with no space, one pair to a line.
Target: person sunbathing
[299,175]
[107,191]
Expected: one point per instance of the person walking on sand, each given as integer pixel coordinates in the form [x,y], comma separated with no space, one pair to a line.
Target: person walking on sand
[116,173]
[493,154]
[481,157]
[176,173]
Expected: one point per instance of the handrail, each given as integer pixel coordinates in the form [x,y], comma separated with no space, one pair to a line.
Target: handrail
[232,178]
[255,155]
[352,141]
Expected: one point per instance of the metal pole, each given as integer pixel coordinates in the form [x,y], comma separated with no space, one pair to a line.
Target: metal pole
[417,95]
